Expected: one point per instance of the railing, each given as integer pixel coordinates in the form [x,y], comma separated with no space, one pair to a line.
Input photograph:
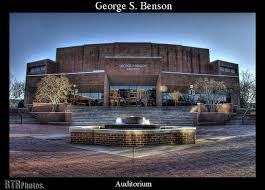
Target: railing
[20,115]
[19,112]
[247,110]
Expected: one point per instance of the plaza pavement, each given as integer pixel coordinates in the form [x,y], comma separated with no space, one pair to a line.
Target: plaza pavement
[45,151]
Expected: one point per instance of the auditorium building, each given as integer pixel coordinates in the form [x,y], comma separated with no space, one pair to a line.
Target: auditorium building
[129,74]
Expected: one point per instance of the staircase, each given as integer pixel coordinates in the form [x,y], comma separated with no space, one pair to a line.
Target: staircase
[84,115]
[237,120]
[179,116]
[27,118]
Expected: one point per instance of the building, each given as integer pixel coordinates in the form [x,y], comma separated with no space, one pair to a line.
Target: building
[127,73]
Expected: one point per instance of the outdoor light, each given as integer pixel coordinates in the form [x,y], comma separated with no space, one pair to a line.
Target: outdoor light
[191,91]
[118,120]
[163,88]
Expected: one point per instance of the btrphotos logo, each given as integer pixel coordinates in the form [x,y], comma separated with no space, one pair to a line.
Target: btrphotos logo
[17,184]
[133,184]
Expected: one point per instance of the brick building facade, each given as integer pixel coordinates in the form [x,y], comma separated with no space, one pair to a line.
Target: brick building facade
[115,73]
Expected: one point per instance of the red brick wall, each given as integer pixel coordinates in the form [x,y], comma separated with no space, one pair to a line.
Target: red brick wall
[47,117]
[173,57]
[50,66]
[82,138]
[210,118]
[133,139]
[47,107]
[70,59]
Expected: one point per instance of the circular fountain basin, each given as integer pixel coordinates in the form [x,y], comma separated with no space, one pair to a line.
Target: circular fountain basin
[132,131]
[165,135]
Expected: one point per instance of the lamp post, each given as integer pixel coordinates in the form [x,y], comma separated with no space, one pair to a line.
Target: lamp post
[192,92]
[75,91]
[162,90]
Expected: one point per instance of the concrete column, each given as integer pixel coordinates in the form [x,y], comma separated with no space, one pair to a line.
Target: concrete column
[158,92]
[26,94]
[106,91]
[235,97]
[235,94]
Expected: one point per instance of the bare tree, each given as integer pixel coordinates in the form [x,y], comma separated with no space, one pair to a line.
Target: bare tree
[11,81]
[18,89]
[52,89]
[211,91]
[247,88]
[175,96]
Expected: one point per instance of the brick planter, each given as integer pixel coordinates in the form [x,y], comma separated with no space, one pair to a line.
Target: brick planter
[117,137]
[53,117]
[210,118]
[47,107]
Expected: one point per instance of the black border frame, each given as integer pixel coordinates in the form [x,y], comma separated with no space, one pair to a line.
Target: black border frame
[88,6]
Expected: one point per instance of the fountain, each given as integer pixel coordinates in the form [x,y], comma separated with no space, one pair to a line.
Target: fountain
[132,131]
[132,122]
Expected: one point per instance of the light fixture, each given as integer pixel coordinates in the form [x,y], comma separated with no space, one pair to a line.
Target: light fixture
[163,88]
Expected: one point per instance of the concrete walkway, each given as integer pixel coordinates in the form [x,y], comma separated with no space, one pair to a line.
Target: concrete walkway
[220,151]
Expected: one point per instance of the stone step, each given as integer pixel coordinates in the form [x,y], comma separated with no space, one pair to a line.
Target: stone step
[166,116]
[147,117]
[154,121]
[237,120]
[24,122]
[26,119]
[100,123]
[254,122]
[131,114]
[149,112]
[111,119]
[114,117]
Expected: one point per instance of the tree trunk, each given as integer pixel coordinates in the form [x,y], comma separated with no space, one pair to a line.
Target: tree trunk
[54,107]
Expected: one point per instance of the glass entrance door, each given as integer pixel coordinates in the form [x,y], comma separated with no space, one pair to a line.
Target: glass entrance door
[132,95]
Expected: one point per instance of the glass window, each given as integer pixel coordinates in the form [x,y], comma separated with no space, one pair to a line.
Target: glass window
[43,68]
[115,87]
[37,69]
[132,95]
[91,98]
[133,87]
[92,95]
[227,70]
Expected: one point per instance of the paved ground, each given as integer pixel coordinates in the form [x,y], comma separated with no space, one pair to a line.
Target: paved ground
[220,151]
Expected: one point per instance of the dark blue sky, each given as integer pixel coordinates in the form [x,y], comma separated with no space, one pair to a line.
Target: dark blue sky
[35,36]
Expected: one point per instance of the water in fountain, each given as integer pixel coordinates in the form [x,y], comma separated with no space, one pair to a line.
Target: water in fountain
[132,122]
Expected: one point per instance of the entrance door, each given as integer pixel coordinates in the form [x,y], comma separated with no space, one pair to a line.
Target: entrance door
[132,95]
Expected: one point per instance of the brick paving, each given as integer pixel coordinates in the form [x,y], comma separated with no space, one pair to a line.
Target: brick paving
[221,151]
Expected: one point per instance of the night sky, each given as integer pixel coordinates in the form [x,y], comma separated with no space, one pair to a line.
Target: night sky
[35,36]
